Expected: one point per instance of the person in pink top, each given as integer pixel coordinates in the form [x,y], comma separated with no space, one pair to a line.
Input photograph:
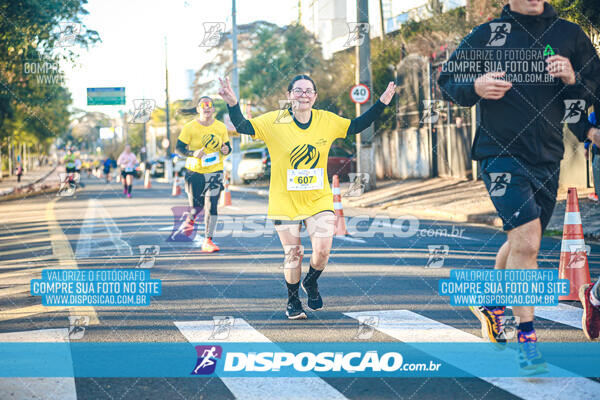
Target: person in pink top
[127,162]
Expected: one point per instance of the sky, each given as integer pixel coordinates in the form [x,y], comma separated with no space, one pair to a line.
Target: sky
[132,53]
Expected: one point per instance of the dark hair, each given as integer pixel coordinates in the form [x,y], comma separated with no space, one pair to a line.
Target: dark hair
[192,110]
[300,77]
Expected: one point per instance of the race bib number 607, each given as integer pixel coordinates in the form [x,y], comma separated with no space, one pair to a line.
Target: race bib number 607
[304,179]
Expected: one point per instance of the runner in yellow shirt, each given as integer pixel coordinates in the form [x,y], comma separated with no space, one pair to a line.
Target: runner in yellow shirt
[298,139]
[204,142]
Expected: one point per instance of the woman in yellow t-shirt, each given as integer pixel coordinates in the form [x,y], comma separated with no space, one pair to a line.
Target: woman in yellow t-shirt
[298,138]
[204,142]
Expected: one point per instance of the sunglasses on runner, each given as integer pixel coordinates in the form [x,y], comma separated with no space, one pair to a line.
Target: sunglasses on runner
[206,104]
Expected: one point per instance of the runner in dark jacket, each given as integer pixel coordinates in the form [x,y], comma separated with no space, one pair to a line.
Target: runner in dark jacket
[530,72]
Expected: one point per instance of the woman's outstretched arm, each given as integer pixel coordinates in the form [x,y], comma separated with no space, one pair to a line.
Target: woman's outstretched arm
[359,124]
[242,125]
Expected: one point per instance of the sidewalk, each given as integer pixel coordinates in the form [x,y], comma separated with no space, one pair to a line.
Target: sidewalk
[39,179]
[461,201]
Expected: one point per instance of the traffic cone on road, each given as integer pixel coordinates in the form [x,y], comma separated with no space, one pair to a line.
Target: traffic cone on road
[340,222]
[226,195]
[176,188]
[147,182]
[573,252]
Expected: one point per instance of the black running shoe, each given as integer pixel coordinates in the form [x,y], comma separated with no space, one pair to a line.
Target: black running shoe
[315,301]
[294,310]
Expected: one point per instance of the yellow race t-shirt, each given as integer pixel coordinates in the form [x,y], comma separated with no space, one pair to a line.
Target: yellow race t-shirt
[299,183]
[210,138]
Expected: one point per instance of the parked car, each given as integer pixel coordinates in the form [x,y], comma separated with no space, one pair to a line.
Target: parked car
[255,164]
[157,167]
[341,162]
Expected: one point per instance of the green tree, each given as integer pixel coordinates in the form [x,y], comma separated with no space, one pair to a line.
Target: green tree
[586,13]
[33,109]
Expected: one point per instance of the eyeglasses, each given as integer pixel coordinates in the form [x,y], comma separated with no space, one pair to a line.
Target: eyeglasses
[206,104]
[298,92]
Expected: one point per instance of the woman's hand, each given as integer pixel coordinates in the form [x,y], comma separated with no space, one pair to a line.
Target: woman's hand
[224,149]
[199,153]
[226,92]
[389,93]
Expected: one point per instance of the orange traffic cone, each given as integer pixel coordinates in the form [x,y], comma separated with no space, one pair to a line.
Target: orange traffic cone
[226,195]
[573,255]
[176,188]
[340,222]
[147,182]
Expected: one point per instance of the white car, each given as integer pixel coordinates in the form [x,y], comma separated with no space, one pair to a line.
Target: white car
[255,164]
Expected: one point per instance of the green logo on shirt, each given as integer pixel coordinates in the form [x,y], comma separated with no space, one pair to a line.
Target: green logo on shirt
[548,51]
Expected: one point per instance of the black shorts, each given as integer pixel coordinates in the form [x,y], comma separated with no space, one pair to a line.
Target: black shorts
[521,192]
[125,173]
[71,170]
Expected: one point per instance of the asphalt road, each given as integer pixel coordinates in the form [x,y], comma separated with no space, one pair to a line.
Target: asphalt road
[380,268]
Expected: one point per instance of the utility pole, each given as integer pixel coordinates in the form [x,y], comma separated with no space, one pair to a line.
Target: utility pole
[364,141]
[235,81]
[381,19]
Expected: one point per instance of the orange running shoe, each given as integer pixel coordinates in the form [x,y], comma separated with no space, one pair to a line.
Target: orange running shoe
[188,227]
[209,247]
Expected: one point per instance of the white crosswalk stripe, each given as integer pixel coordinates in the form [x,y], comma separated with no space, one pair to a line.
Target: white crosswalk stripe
[408,326]
[38,388]
[562,313]
[258,388]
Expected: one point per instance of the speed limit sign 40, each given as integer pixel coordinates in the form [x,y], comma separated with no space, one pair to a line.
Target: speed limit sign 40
[360,93]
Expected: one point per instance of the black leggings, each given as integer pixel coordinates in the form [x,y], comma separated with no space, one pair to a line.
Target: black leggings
[198,185]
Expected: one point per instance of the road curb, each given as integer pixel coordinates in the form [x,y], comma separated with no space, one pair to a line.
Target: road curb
[29,189]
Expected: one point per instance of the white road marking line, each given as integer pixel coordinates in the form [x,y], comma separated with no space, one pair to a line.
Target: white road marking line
[61,248]
[408,326]
[563,313]
[87,244]
[38,388]
[258,388]
[350,239]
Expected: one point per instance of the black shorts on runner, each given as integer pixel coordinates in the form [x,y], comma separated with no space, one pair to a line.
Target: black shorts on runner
[521,192]
[71,170]
[125,173]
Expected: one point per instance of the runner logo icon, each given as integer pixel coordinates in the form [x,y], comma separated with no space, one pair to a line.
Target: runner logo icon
[498,183]
[573,111]
[431,111]
[437,255]
[212,33]
[221,328]
[207,359]
[356,33]
[366,326]
[500,31]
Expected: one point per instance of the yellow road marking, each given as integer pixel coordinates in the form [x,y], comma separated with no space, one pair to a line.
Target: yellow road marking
[62,250]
